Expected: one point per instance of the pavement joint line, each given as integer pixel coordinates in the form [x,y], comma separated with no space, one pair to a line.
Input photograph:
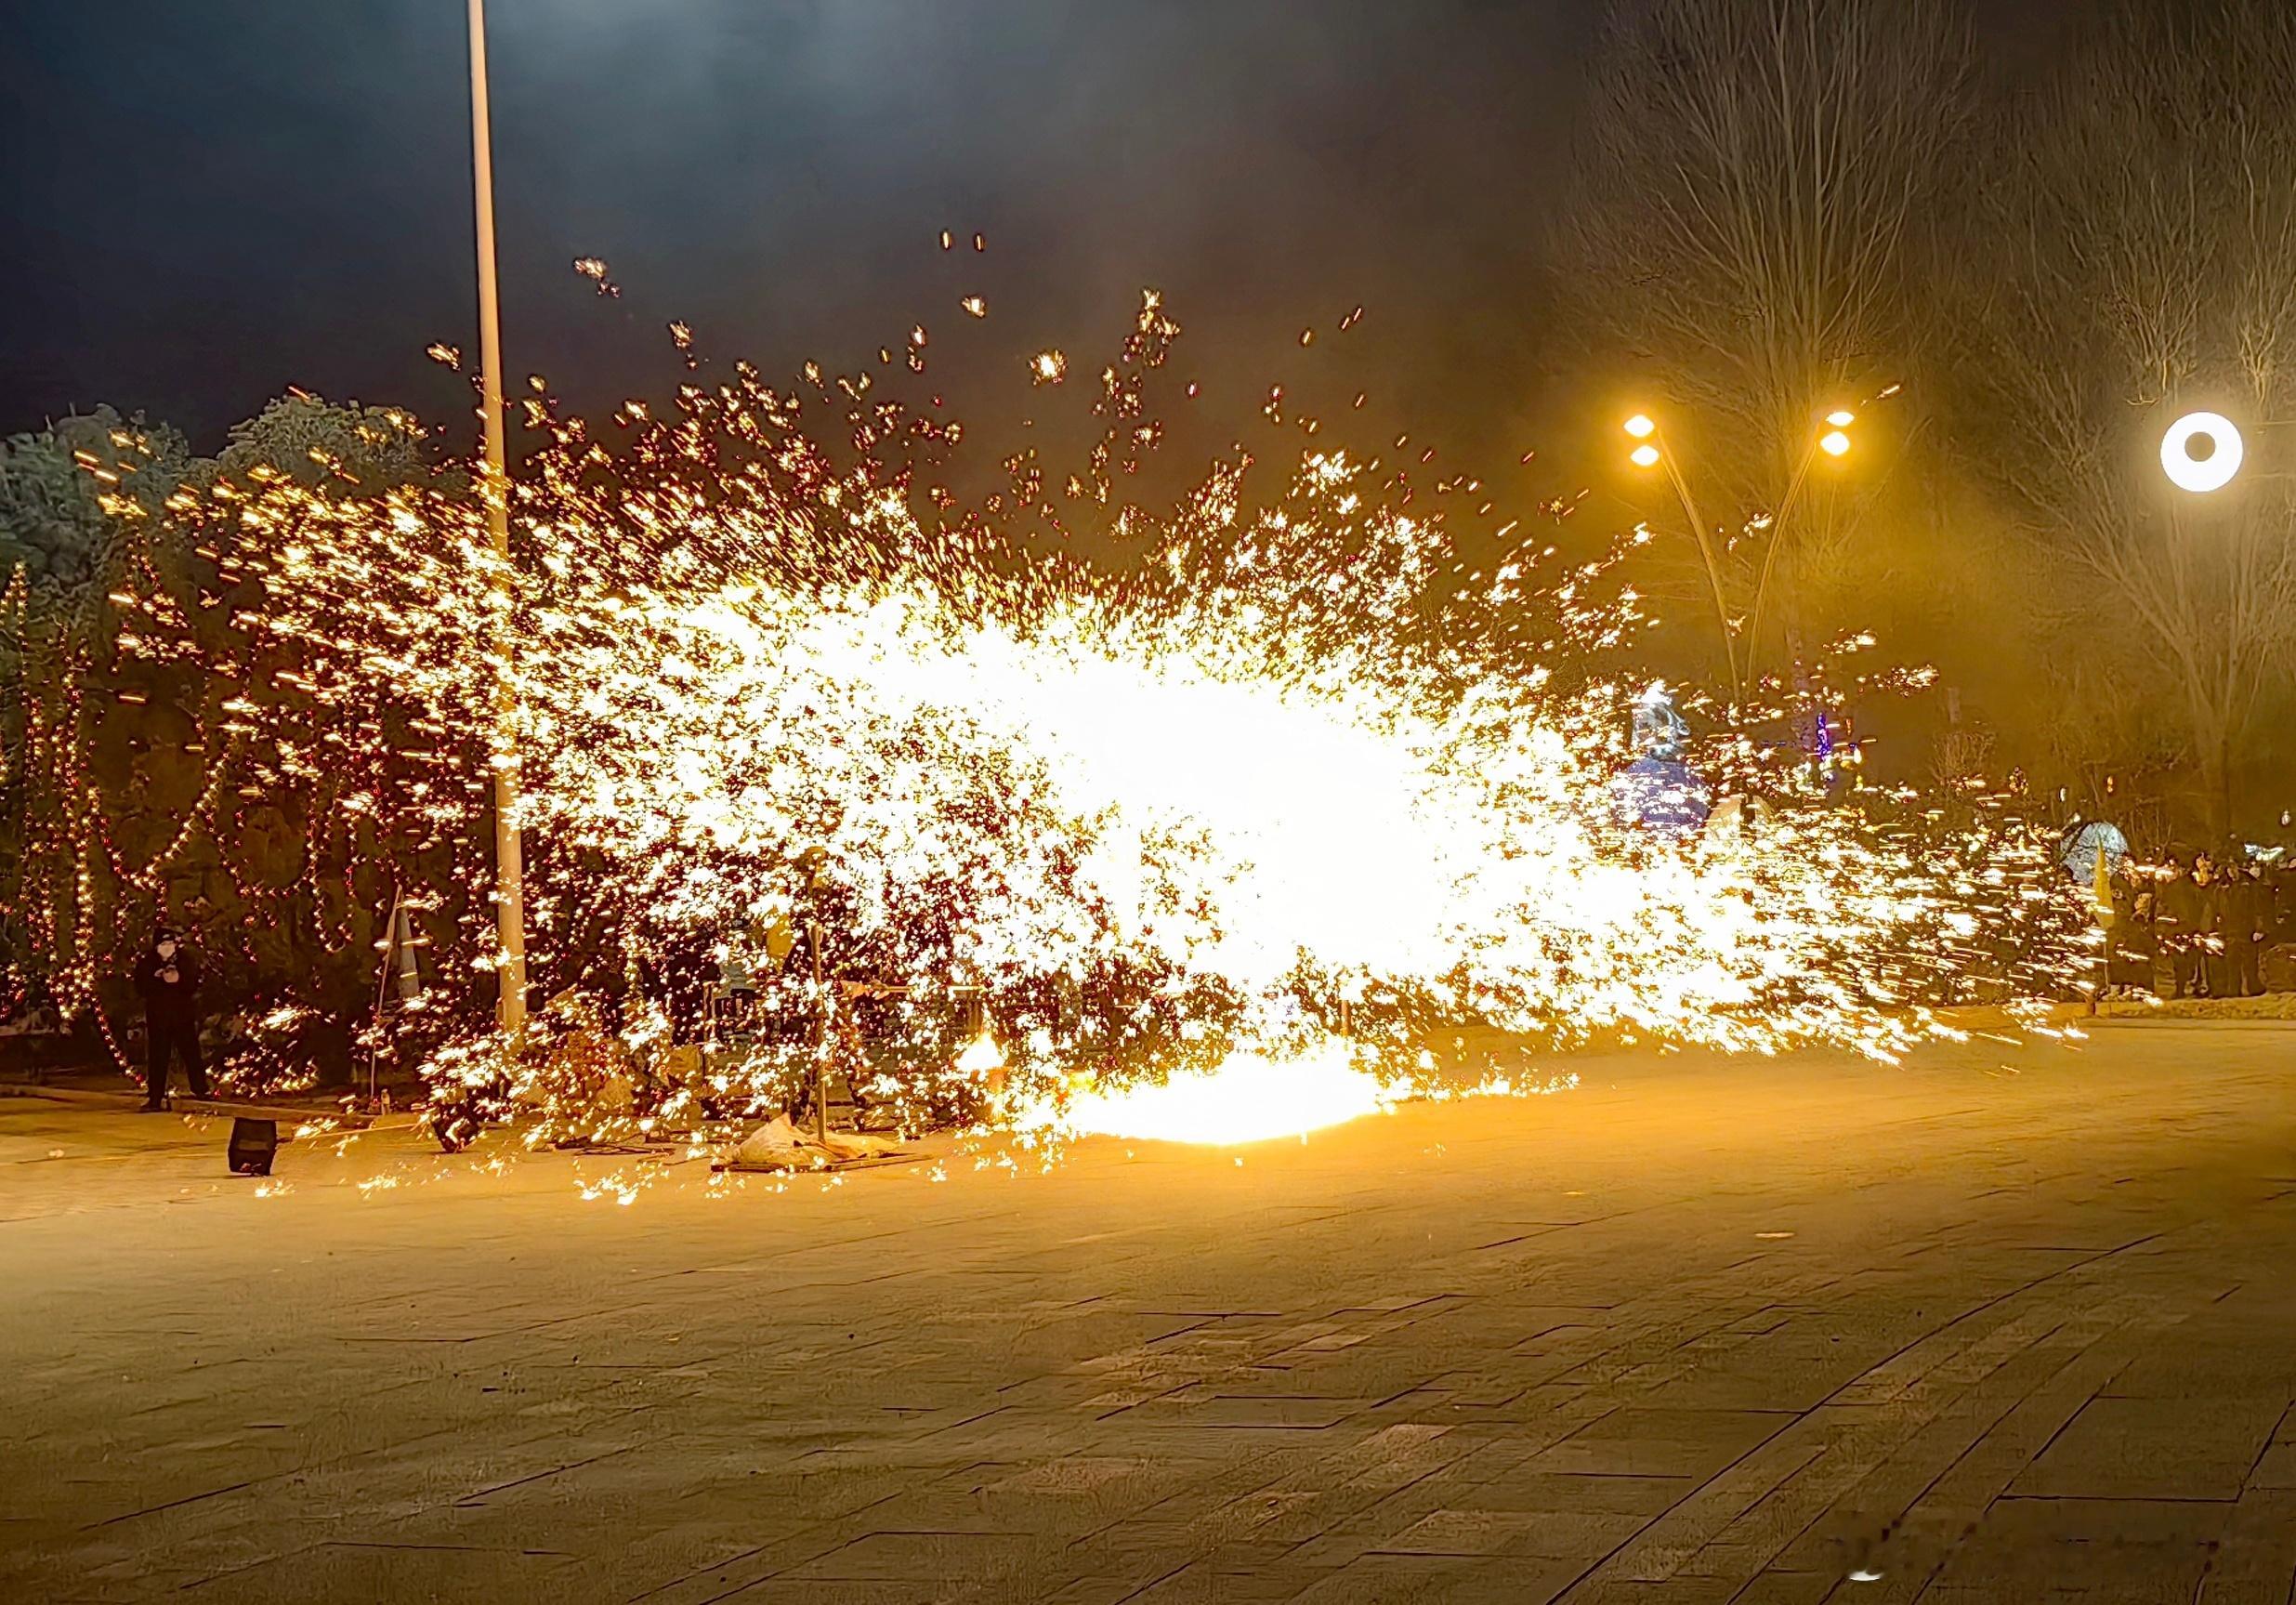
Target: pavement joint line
[1787,1545]
[255,1564]
[2270,1437]
[2105,1338]
[1863,1473]
[2111,1499]
[173,1503]
[470,1500]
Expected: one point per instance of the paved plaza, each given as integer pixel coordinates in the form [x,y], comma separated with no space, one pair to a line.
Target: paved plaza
[2010,1323]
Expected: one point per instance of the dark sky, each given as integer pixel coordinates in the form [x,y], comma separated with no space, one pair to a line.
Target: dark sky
[209,202]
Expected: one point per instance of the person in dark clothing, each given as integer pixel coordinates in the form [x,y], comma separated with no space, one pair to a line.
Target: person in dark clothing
[168,977]
[2130,952]
[2247,927]
[2181,926]
[2208,874]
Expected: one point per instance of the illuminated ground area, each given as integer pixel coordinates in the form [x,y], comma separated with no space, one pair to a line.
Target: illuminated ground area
[1697,1332]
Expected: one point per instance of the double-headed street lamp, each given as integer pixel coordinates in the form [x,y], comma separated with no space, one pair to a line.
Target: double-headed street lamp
[1650,451]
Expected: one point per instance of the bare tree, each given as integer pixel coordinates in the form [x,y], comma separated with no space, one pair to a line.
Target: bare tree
[2141,260]
[1753,175]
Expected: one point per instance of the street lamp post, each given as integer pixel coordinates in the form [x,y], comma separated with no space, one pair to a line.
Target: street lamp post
[1652,451]
[1833,442]
[509,852]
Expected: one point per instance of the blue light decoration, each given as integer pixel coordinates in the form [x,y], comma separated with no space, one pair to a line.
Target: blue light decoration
[1824,760]
[1658,791]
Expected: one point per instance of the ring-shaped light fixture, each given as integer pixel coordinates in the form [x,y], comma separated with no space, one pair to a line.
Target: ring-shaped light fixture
[2215,468]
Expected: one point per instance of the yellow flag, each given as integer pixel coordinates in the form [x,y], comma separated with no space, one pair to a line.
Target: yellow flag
[780,939]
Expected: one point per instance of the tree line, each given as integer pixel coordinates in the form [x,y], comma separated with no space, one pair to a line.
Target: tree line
[163,758]
[1789,206]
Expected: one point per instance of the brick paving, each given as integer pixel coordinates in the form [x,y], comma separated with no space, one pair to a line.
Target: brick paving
[2008,1324]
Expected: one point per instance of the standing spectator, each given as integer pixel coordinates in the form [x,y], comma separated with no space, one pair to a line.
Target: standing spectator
[2246,926]
[2130,952]
[2208,875]
[168,977]
[2180,925]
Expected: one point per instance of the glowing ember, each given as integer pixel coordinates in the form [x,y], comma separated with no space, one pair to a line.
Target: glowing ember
[1249,1097]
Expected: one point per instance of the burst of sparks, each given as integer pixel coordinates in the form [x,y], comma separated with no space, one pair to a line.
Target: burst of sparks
[1230,838]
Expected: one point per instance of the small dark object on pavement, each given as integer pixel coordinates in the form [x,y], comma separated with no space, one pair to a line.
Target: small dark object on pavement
[253,1143]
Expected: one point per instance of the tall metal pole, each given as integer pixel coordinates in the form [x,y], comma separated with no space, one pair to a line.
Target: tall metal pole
[1778,539]
[1706,553]
[509,855]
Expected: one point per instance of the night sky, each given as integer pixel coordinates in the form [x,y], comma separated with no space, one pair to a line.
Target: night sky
[209,202]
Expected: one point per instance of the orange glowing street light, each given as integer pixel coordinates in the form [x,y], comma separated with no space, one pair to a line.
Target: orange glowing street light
[1831,440]
[1648,454]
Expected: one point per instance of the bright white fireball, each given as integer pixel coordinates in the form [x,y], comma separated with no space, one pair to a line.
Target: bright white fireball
[1248,1099]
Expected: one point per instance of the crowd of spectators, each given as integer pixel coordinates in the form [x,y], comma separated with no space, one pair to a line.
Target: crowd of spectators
[2202,924]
